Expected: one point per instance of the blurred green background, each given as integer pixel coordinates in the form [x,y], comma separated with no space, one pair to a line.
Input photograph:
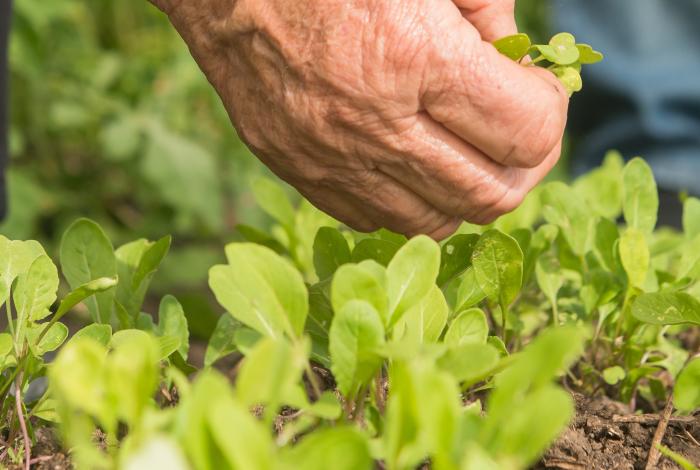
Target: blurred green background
[111,119]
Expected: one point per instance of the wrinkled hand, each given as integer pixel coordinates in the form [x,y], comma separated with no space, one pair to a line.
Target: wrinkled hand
[383,113]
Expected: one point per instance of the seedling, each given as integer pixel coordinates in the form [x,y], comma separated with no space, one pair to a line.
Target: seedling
[563,56]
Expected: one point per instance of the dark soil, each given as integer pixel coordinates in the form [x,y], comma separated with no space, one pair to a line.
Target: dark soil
[604,436]
[47,453]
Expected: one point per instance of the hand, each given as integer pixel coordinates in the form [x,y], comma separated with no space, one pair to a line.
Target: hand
[383,113]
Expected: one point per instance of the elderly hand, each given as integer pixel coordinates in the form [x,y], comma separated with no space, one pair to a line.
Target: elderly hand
[383,113]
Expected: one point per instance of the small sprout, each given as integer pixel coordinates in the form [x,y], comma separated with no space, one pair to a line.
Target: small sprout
[564,56]
[614,375]
[514,47]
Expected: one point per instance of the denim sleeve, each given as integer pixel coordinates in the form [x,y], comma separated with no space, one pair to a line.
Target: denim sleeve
[5,9]
[644,98]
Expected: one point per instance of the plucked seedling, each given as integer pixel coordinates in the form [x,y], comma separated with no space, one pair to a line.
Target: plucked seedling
[562,56]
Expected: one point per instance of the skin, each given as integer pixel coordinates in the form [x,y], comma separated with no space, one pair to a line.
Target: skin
[383,113]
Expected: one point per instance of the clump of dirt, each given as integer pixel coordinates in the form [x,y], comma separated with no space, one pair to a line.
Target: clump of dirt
[605,436]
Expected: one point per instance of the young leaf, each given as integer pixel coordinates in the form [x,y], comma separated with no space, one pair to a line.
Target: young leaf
[36,291]
[634,254]
[87,254]
[82,293]
[15,258]
[331,251]
[640,196]
[614,375]
[469,362]
[245,445]
[424,322]
[379,250]
[272,198]
[356,336]
[364,281]
[172,322]
[97,332]
[563,207]
[411,274]
[570,78]
[470,327]
[132,373]
[561,49]
[261,289]
[549,276]
[667,308]
[515,47]
[469,292]
[52,339]
[498,266]
[456,256]
[221,343]
[686,394]
[691,217]
[270,374]
[587,55]
[149,262]
[339,448]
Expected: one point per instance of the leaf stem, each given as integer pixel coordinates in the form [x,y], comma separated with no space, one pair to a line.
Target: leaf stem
[313,381]
[23,424]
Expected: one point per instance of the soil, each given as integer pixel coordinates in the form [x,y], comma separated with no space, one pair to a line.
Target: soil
[605,436]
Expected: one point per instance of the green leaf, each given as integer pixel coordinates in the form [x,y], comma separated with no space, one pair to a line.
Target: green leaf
[98,332]
[149,262]
[469,292]
[87,254]
[269,375]
[356,336]
[469,362]
[667,308]
[614,375]
[456,256]
[6,344]
[564,49]
[272,198]
[52,340]
[550,407]
[128,258]
[365,281]
[563,207]
[15,258]
[686,394]
[691,217]
[36,291]
[381,251]
[339,448]
[221,343]
[172,322]
[515,47]
[570,78]
[245,339]
[331,251]
[247,445]
[634,254]
[498,266]
[549,276]
[77,375]
[261,289]
[469,327]
[640,196]
[587,55]
[606,238]
[82,293]
[132,373]
[424,322]
[602,187]
[411,274]
[326,407]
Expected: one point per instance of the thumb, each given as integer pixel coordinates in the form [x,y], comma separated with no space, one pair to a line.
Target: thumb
[493,19]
